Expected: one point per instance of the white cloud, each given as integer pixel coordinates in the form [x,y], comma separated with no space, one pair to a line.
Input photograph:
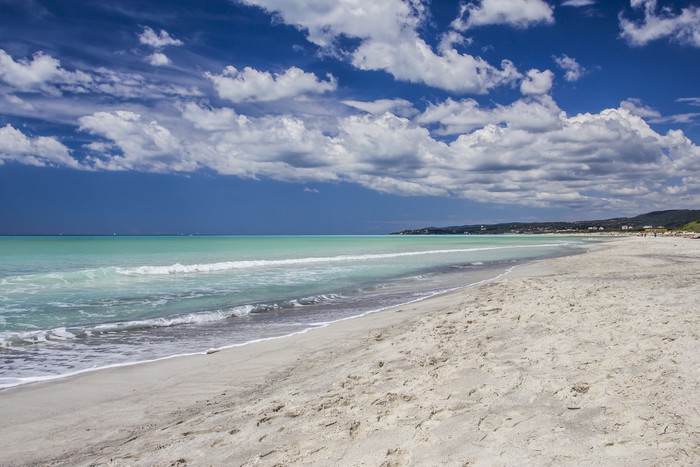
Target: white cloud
[677,118]
[683,27]
[38,73]
[399,107]
[589,152]
[232,145]
[27,73]
[18,102]
[158,59]
[411,59]
[149,37]
[452,38]
[455,117]
[157,41]
[211,120]
[578,3]
[39,151]
[516,13]
[528,153]
[389,41]
[135,144]
[695,101]
[636,107]
[573,70]
[323,22]
[537,82]
[43,74]
[253,85]
[525,152]
[133,85]
[388,153]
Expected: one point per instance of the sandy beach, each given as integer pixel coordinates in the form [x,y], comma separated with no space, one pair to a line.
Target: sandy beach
[591,359]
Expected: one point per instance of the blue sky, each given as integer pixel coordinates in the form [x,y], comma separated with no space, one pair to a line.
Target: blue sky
[343,116]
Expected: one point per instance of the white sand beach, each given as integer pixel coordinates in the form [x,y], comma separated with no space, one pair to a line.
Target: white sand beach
[588,359]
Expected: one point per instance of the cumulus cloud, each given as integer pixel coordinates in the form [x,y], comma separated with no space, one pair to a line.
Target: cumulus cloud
[158,59]
[38,151]
[39,73]
[27,73]
[526,152]
[573,71]
[388,153]
[157,40]
[683,27]
[456,117]
[537,82]
[516,13]
[254,85]
[389,42]
[602,152]
[505,153]
[232,145]
[364,19]
[137,144]
[414,61]
[223,141]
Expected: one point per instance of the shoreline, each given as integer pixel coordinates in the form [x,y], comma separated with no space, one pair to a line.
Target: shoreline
[475,375]
[497,268]
[316,326]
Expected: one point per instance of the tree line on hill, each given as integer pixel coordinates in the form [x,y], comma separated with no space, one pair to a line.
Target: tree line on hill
[677,219]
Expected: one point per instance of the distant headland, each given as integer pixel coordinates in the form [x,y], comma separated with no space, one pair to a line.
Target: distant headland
[683,220]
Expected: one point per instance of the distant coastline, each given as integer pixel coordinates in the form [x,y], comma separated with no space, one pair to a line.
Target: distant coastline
[679,220]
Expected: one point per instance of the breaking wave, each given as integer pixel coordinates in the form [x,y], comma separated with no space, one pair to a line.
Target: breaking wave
[178,268]
[22,339]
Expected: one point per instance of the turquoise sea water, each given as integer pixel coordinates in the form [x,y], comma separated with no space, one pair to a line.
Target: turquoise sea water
[71,304]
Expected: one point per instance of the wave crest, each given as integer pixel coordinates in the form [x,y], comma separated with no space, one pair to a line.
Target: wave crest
[179,268]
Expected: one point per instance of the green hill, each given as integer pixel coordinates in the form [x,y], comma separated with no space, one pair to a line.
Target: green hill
[693,226]
[671,219]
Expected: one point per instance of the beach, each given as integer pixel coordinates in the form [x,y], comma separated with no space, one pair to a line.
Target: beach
[592,358]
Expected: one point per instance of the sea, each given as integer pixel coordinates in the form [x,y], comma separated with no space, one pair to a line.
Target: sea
[74,304]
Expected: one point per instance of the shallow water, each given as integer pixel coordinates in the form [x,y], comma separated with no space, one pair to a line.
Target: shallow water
[71,304]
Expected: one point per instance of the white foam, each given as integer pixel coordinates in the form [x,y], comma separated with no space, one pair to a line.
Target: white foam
[62,334]
[179,268]
[190,318]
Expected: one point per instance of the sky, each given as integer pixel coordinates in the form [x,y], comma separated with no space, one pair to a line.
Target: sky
[343,116]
